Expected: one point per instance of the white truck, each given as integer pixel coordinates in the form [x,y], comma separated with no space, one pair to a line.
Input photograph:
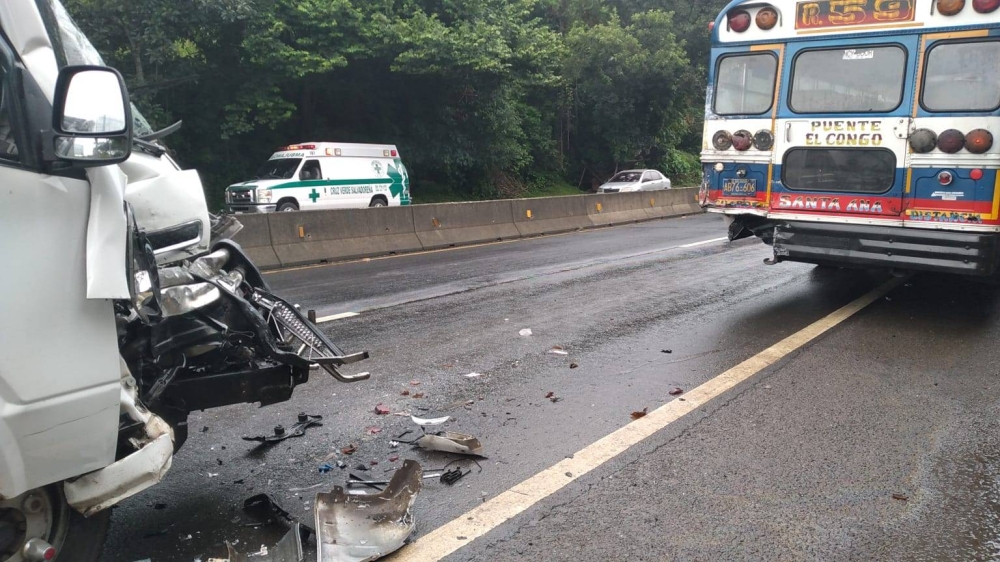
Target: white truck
[123,305]
[324,175]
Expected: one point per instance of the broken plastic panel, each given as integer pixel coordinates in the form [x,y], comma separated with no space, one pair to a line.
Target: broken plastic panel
[288,549]
[362,528]
[426,422]
[450,442]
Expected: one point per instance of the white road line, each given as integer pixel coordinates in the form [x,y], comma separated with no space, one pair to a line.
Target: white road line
[703,242]
[445,540]
[340,316]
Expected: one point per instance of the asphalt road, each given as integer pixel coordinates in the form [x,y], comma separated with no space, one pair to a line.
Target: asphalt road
[876,440]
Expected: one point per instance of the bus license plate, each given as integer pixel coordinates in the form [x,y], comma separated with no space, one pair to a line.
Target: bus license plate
[746,187]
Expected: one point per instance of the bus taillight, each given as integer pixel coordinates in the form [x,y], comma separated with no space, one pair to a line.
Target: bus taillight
[739,21]
[763,140]
[979,141]
[945,178]
[923,141]
[976,174]
[951,141]
[985,6]
[950,7]
[722,140]
[742,140]
[767,18]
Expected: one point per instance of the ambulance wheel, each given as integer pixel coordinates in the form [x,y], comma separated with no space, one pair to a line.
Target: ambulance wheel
[378,202]
[44,514]
[287,206]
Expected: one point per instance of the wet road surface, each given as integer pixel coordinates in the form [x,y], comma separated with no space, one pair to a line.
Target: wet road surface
[877,440]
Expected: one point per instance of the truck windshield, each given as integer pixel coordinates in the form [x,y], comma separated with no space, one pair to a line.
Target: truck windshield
[865,80]
[278,169]
[73,48]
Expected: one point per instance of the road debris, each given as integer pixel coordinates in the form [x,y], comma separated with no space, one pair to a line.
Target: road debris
[324,468]
[350,449]
[393,458]
[473,375]
[557,351]
[382,410]
[364,528]
[676,391]
[642,414]
[526,332]
[450,477]
[264,509]
[901,497]
[414,383]
[427,422]
[419,395]
[373,430]
[667,351]
[405,393]
[450,442]
[288,549]
[573,366]
[280,433]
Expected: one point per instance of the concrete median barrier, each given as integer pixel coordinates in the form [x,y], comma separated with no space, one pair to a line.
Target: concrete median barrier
[607,209]
[255,238]
[309,237]
[672,202]
[550,215]
[454,224]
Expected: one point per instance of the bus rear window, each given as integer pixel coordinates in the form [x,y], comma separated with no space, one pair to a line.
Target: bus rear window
[745,84]
[856,80]
[963,77]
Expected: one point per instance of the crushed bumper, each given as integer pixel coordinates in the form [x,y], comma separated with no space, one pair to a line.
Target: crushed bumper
[963,253]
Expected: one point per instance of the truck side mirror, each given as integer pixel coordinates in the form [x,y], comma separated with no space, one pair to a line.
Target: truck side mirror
[92,117]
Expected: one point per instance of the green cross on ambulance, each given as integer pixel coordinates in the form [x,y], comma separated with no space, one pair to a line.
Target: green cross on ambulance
[324,175]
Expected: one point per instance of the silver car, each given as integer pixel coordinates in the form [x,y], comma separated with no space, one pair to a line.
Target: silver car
[635,180]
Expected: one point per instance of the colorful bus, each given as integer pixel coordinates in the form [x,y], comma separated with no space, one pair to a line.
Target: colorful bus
[858,132]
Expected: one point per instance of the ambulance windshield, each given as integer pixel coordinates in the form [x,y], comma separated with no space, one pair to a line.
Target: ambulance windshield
[278,169]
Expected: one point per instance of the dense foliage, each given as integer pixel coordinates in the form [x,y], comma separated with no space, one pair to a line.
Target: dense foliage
[486,97]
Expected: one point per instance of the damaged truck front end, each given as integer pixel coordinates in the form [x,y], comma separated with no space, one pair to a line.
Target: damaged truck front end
[128,305]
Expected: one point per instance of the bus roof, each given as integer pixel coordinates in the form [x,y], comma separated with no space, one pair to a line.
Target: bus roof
[798,19]
[345,149]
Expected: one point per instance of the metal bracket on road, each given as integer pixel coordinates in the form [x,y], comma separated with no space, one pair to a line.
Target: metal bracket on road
[297,430]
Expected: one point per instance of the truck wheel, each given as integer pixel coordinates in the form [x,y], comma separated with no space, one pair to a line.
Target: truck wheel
[288,206]
[378,202]
[43,514]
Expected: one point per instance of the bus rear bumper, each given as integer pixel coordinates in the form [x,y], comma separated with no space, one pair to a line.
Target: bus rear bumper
[963,253]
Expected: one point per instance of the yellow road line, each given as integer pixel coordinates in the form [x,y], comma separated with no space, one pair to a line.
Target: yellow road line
[479,521]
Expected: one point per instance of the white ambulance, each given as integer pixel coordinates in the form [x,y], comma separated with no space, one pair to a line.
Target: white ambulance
[324,175]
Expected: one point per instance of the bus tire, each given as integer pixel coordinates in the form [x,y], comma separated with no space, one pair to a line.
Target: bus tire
[287,205]
[379,201]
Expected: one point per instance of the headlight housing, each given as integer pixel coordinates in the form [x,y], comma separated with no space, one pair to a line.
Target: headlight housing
[263,195]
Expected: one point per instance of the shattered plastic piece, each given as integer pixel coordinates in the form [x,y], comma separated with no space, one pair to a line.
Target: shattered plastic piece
[418,395]
[414,383]
[324,468]
[350,449]
[264,509]
[393,444]
[676,391]
[364,528]
[341,465]
[393,458]
[573,366]
[373,430]
[288,549]
[642,414]
[667,351]
[425,422]
[526,332]
[449,442]
[550,394]
[382,410]
[557,351]
[901,497]
[361,467]
[405,393]
[297,430]
[449,477]
[473,375]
